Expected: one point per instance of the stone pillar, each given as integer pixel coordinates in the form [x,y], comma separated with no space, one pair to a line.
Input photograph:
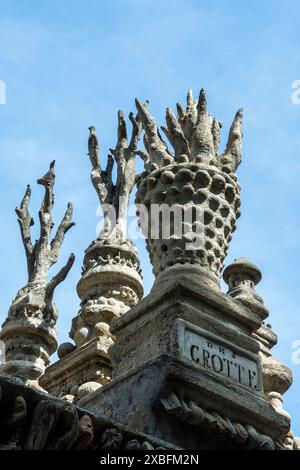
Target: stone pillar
[277,377]
[111,281]
[186,367]
[29,330]
[242,277]
[110,285]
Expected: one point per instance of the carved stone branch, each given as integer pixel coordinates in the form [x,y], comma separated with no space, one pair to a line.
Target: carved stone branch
[29,330]
[44,253]
[114,197]
[26,221]
[59,277]
[194,135]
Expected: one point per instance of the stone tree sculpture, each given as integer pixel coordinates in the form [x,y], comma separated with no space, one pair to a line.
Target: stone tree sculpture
[111,281]
[192,178]
[29,331]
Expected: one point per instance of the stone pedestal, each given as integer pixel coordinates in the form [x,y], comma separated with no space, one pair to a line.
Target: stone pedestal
[88,365]
[111,283]
[187,370]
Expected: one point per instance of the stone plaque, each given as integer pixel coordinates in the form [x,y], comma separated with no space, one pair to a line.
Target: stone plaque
[220,359]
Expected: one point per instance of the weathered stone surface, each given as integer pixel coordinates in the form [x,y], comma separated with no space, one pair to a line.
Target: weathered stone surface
[151,360]
[149,329]
[110,285]
[277,377]
[29,331]
[86,433]
[223,360]
[31,420]
[197,183]
[86,388]
[192,367]
[111,281]
[242,277]
[142,389]
[89,363]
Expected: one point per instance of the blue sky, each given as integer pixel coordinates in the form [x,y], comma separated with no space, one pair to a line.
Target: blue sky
[68,64]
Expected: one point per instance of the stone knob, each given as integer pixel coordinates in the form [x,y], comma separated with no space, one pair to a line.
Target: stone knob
[241,273]
[241,277]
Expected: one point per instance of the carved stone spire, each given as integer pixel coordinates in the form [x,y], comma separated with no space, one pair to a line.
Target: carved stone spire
[111,280]
[192,180]
[29,331]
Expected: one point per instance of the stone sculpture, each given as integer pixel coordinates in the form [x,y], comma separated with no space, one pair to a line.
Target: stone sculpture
[111,281]
[29,330]
[195,179]
[111,278]
[188,366]
[186,355]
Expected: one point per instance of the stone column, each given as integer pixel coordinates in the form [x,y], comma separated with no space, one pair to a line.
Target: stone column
[29,330]
[186,367]
[111,281]
[242,277]
[195,184]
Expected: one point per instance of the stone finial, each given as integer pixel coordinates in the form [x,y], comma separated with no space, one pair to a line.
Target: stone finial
[29,330]
[241,277]
[111,281]
[192,178]
[194,135]
[111,276]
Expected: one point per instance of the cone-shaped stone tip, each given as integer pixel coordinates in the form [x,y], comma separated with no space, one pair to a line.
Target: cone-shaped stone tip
[202,99]
[240,113]
[52,164]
